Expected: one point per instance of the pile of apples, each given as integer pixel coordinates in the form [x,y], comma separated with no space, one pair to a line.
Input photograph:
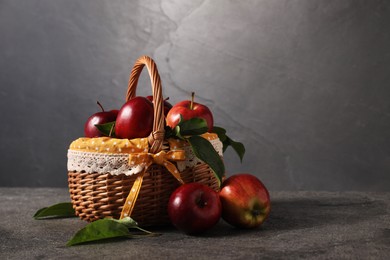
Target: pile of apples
[243,201]
[135,118]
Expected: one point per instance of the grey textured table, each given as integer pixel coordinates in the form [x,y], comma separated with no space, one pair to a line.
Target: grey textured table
[312,225]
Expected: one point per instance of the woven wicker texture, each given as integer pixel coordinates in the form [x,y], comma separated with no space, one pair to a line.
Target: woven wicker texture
[95,195]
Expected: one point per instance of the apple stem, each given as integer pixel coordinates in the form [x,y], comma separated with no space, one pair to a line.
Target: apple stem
[100,105]
[192,100]
[111,130]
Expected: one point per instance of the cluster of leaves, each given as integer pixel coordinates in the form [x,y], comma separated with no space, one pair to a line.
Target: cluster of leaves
[238,147]
[190,131]
[101,229]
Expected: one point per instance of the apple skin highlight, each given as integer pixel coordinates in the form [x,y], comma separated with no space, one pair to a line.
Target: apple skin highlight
[135,119]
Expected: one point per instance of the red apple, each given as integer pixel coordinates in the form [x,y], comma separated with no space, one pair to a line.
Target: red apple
[189,109]
[167,105]
[135,119]
[194,208]
[245,201]
[103,117]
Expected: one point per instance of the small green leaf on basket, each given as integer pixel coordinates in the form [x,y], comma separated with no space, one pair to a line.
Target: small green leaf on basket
[205,151]
[107,129]
[60,210]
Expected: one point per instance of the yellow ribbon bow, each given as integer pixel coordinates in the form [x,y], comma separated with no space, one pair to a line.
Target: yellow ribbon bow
[161,158]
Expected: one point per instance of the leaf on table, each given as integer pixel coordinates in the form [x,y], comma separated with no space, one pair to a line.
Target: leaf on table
[60,210]
[127,221]
[99,230]
[108,228]
[132,224]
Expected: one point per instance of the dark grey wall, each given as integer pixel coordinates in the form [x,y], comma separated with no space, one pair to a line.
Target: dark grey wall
[305,85]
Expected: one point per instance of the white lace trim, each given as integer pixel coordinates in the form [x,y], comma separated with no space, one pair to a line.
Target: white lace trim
[116,164]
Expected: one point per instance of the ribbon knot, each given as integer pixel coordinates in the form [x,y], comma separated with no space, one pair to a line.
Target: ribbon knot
[146,159]
[161,158]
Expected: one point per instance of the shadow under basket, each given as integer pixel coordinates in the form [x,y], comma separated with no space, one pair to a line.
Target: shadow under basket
[95,196]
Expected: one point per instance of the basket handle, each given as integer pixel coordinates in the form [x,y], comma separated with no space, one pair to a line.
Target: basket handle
[156,137]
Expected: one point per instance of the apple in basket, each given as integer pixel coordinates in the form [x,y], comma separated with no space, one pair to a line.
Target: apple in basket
[135,119]
[194,208]
[189,109]
[167,105]
[103,117]
[245,201]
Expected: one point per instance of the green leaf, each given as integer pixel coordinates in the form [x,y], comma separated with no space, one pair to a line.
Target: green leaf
[107,129]
[60,210]
[177,131]
[205,151]
[220,132]
[128,222]
[238,147]
[193,126]
[169,132]
[131,223]
[100,230]
[108,228]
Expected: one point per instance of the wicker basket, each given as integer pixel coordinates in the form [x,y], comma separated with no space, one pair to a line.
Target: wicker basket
[99,195]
